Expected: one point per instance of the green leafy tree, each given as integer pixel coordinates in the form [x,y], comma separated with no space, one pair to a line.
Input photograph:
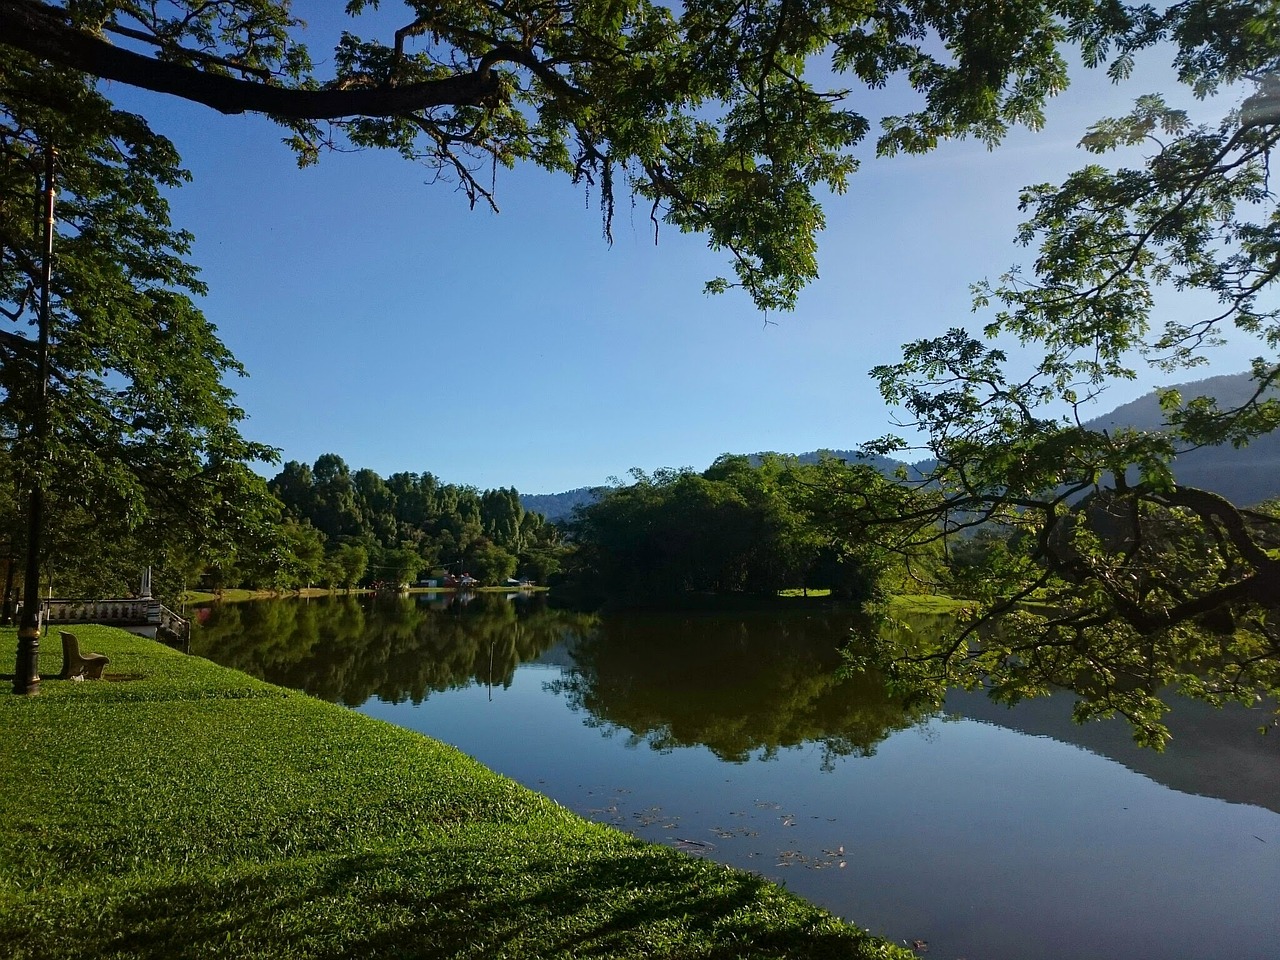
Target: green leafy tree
[541,564]
[331,573]
[976,559]
[502,517]
[294,487]
[737,527]
[706,113]
[352,562]
[410,522]
[142,458]
[337,510]
[305,551]
[1142,583]
[402,565]
[376,505]
[490,564]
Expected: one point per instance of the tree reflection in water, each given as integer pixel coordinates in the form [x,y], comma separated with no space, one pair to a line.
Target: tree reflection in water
[348,649]
[738,685]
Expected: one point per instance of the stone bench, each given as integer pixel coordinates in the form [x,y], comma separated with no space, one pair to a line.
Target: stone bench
[77,665]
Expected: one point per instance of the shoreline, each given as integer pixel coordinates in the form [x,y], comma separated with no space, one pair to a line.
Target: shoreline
[189,809]
[237,595]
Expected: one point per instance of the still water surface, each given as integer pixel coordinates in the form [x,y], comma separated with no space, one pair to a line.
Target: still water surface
[987,833]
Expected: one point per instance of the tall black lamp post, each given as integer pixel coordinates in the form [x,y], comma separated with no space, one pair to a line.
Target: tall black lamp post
[26,675]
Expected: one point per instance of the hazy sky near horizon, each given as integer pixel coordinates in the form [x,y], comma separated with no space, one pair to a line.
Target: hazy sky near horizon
[381,319]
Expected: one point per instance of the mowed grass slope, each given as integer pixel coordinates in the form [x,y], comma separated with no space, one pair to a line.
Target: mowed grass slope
[180,809]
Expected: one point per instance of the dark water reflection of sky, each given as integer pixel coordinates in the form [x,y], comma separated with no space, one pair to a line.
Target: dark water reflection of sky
[986,841]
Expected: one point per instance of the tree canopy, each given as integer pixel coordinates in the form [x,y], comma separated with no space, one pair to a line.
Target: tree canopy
[408,523]
[727,118]
[144,443]
[1116,581]
[739,527]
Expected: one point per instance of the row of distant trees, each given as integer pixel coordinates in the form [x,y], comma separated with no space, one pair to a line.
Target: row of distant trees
[342,527]
[741,526]
[321,525]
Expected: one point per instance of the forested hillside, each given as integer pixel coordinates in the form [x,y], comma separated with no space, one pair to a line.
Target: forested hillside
[559,506]
[1244,475]
[350,527]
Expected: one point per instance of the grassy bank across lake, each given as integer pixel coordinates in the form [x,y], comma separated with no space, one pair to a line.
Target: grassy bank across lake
[181,809]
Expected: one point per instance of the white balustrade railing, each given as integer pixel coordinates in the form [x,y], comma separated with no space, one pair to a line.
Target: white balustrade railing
[144,611]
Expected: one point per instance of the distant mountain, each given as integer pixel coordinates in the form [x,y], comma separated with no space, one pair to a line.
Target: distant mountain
[1145,413]
[558,506]
[1245,476]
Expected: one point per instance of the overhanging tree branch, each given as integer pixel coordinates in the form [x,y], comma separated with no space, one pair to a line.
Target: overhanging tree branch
[40,31]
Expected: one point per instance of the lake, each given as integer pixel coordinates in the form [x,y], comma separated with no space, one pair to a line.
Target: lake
[987,833]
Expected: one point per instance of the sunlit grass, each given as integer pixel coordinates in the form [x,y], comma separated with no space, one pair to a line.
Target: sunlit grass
[925,603]
[178,808]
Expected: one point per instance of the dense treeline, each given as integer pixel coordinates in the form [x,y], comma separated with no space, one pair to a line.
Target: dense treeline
[746,525]
[309,526]
[183,525]
[735,528]
[342,527]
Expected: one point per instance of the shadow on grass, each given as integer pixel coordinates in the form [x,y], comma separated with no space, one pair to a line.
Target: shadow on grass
[459,902]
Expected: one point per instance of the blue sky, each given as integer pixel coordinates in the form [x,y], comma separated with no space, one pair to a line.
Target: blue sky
[381,319]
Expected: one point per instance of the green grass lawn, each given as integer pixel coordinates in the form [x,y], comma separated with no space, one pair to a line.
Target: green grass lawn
[180,809]
[925,603]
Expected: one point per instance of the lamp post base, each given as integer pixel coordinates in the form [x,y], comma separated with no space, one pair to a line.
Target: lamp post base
[26,673]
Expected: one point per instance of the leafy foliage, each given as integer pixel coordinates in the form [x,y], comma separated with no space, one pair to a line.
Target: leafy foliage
[735,528]
[408,523]
[1138,583]
[727,118]
[144,443]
